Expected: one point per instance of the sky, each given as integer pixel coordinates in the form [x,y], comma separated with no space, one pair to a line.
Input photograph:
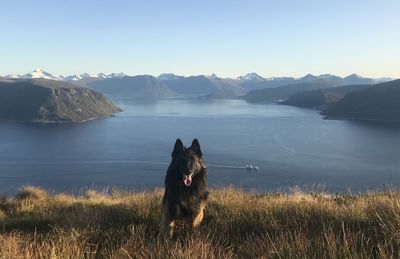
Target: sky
[187,37]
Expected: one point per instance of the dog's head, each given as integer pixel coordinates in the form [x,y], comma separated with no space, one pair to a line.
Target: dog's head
[188,161]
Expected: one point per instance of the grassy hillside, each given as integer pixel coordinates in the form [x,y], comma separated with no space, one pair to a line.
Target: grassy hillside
[237,225]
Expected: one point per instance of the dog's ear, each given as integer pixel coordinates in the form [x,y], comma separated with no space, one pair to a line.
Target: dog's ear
[196,147]
[178,148]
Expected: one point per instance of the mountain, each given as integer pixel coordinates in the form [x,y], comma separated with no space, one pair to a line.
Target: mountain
[274,82]
[377,102]
[283,92]
[35,74]
[251,77]
[225,88]
[41,74]
[169,84]
[211,86]
[85,79]
[328,77]
[322,98]
[268,83]
[192,85]
[116,75]
[72,78]
[354,79]
[101,75]
[38,73]
[132,87]
[42,100]
[168,76]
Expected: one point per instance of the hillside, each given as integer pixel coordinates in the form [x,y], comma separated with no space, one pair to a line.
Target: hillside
[132,87]
[41,100]
[283,92]
[322,98]
[36,224]
[378,102]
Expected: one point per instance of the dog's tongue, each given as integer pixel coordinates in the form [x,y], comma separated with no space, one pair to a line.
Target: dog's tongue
[187,180]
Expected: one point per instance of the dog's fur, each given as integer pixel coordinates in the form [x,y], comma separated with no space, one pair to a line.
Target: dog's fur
[182,203]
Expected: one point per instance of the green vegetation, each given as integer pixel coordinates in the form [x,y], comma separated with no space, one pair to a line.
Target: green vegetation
[236,225]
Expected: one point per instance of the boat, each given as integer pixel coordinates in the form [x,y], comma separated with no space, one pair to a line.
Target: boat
[251,167]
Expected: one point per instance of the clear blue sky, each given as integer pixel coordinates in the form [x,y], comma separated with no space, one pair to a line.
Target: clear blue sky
[188,37]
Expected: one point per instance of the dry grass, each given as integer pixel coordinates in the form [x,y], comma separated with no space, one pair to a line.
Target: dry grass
[35,224]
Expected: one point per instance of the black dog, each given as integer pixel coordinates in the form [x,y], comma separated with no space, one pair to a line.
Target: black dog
[185,188]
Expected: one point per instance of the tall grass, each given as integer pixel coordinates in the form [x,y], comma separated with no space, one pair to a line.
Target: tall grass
[237,224]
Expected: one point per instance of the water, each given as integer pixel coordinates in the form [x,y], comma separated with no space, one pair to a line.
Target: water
[292,147]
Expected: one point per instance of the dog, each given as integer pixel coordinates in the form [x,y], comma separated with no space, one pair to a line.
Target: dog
[186,192]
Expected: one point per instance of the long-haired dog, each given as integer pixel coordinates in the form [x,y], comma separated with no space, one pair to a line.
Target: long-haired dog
[185,188]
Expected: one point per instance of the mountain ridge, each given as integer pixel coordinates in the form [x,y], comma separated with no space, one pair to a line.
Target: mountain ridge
[40,73]
[209,86]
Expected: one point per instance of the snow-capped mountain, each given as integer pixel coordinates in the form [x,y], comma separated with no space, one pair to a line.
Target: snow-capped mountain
[12,76]
[114,75]
[251,77]
[250,81]
[37,73]
[72,78]
[86,75]
[102,75]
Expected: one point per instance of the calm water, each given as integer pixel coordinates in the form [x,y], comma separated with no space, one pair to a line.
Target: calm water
[132,150]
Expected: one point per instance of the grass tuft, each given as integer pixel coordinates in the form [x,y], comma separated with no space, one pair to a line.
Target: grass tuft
[29,192]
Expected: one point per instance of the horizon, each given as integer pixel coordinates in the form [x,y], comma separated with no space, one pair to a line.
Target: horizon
[279,38]
[209,75]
